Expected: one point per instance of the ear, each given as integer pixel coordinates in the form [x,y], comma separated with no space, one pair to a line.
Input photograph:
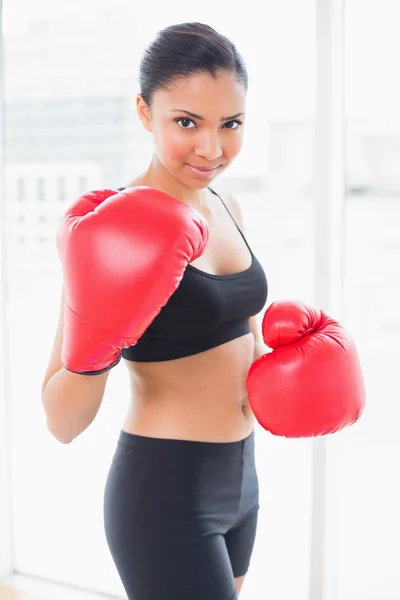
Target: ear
[143,112]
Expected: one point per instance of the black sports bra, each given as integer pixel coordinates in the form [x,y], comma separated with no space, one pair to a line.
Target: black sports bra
[205,311]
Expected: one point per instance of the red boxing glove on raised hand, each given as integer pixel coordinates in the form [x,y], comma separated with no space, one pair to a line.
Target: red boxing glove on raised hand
[123,255]
[311,384]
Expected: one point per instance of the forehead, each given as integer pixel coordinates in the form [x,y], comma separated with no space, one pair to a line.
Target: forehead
[204,95]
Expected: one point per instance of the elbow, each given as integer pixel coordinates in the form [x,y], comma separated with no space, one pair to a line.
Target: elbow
[60,436]
[53,427]
[66,428]
[62,440]
[70,404]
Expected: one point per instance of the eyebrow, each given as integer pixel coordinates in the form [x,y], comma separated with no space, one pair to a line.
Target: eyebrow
[187,112]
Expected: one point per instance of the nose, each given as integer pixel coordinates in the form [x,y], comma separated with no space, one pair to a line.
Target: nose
[208,146]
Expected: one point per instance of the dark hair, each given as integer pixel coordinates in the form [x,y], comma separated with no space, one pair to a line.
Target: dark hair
[186,49]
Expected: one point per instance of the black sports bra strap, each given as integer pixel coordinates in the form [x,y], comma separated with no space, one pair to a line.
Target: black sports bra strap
[231,216]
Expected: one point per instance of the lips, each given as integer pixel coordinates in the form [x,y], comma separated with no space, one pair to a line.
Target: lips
[204,168]
[203,172]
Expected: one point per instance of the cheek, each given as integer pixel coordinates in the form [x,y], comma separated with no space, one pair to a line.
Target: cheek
[171,143]
[233,145]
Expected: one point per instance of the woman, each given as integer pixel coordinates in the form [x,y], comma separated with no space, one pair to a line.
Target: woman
[181,499]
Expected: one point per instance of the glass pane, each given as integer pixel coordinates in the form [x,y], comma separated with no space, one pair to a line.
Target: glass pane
[71,80]
[369,547]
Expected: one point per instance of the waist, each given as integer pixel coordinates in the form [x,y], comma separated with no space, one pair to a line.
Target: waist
[193,422]
[201,397]
[186,448]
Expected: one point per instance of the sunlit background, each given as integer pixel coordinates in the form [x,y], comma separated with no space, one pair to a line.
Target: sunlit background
[70,80]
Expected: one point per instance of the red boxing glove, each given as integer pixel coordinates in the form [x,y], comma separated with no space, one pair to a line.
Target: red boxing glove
[123,255]
[311,384]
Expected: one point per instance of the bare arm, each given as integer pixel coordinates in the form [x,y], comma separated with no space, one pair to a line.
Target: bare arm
[71,401]
[259,347]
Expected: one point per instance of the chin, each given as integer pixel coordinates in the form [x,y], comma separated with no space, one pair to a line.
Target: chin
[200,185]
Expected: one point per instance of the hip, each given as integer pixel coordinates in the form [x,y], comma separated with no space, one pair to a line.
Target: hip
[182,483]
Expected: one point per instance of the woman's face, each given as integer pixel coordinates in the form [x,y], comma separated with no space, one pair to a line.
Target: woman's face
[197,125]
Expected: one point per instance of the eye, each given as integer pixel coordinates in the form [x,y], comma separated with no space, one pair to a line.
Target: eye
[184,122]
[229,123]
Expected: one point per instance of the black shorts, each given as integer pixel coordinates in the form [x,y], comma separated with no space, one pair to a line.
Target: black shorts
[180,516]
